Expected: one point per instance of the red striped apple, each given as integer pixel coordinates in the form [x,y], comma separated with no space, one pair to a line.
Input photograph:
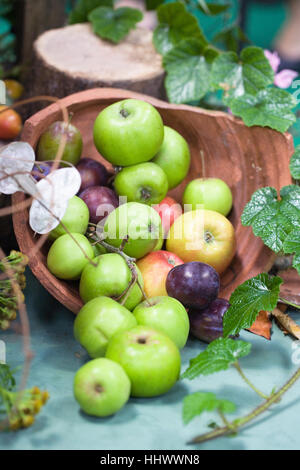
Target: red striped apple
[169,210]
[154,268]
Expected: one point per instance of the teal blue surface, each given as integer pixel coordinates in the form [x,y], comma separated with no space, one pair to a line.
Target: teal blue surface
[150,424]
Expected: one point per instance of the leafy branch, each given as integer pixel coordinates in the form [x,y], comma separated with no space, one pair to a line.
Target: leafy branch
[108,22]
[234,426]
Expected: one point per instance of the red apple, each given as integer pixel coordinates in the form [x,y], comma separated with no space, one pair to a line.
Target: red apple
[154,268]
[169,210]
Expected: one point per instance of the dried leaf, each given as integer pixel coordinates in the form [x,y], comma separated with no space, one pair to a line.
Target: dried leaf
[287,322]
[262,325]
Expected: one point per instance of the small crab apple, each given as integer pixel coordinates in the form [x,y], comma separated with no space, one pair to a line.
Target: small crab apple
[145,183]
[173,157]
[98,320]
[167,315]
[208,193]
[75,219]
[68,256]
[110,276]
[10,123]
[128,132]
[101,387]
[137,222]
[150,359]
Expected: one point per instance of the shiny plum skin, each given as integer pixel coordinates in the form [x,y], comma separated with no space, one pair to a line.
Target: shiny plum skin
[194,284]
[41,170]
[92,173]
[207,324]
[99,199]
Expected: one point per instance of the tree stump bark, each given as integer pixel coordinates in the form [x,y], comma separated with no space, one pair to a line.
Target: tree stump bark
[73,58]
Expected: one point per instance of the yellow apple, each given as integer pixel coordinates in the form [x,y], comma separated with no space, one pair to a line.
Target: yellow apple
[203,235]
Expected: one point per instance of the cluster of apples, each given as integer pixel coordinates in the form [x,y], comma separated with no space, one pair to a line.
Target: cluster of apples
[133,331]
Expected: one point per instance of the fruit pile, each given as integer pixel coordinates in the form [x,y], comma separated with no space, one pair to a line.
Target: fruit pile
[140,301]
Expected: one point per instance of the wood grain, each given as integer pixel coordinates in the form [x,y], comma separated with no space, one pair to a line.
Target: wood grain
[73,58]
[246,158]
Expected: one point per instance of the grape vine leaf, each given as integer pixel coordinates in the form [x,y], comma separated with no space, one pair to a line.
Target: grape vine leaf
[114,25]
[248,73]
[295,164]
[231,37]
[175,25]
[82,9]
[292,245]
[219,355]
[258,293]
[188,72]
[272,219]
[269,108]
[198,402]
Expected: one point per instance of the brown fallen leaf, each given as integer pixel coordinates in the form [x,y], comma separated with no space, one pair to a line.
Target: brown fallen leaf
[262,325]
[287,323]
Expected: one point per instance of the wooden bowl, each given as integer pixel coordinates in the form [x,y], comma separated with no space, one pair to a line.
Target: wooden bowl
[221,146]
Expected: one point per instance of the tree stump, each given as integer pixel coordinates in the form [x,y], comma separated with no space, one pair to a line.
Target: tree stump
[73,58]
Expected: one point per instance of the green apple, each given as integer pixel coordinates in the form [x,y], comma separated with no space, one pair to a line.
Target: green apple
[128,132]
[208,193]
[167,315]
[110,277]
[50,141]
[150,359]
[173,157]
[98,321]
[139,222]
[76,218]
[101,387]
[66,257]
[145,182]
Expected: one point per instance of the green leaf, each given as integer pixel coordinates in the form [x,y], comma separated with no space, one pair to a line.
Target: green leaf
[231,37]
[196,403]
[114,24]
[295,164]
[256,294]
[212,8]
[175,25]
[218,355]
[188,73]
[83,7]
[269,108]
[272,219]
[248,74]
[292,245]
[153,4]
